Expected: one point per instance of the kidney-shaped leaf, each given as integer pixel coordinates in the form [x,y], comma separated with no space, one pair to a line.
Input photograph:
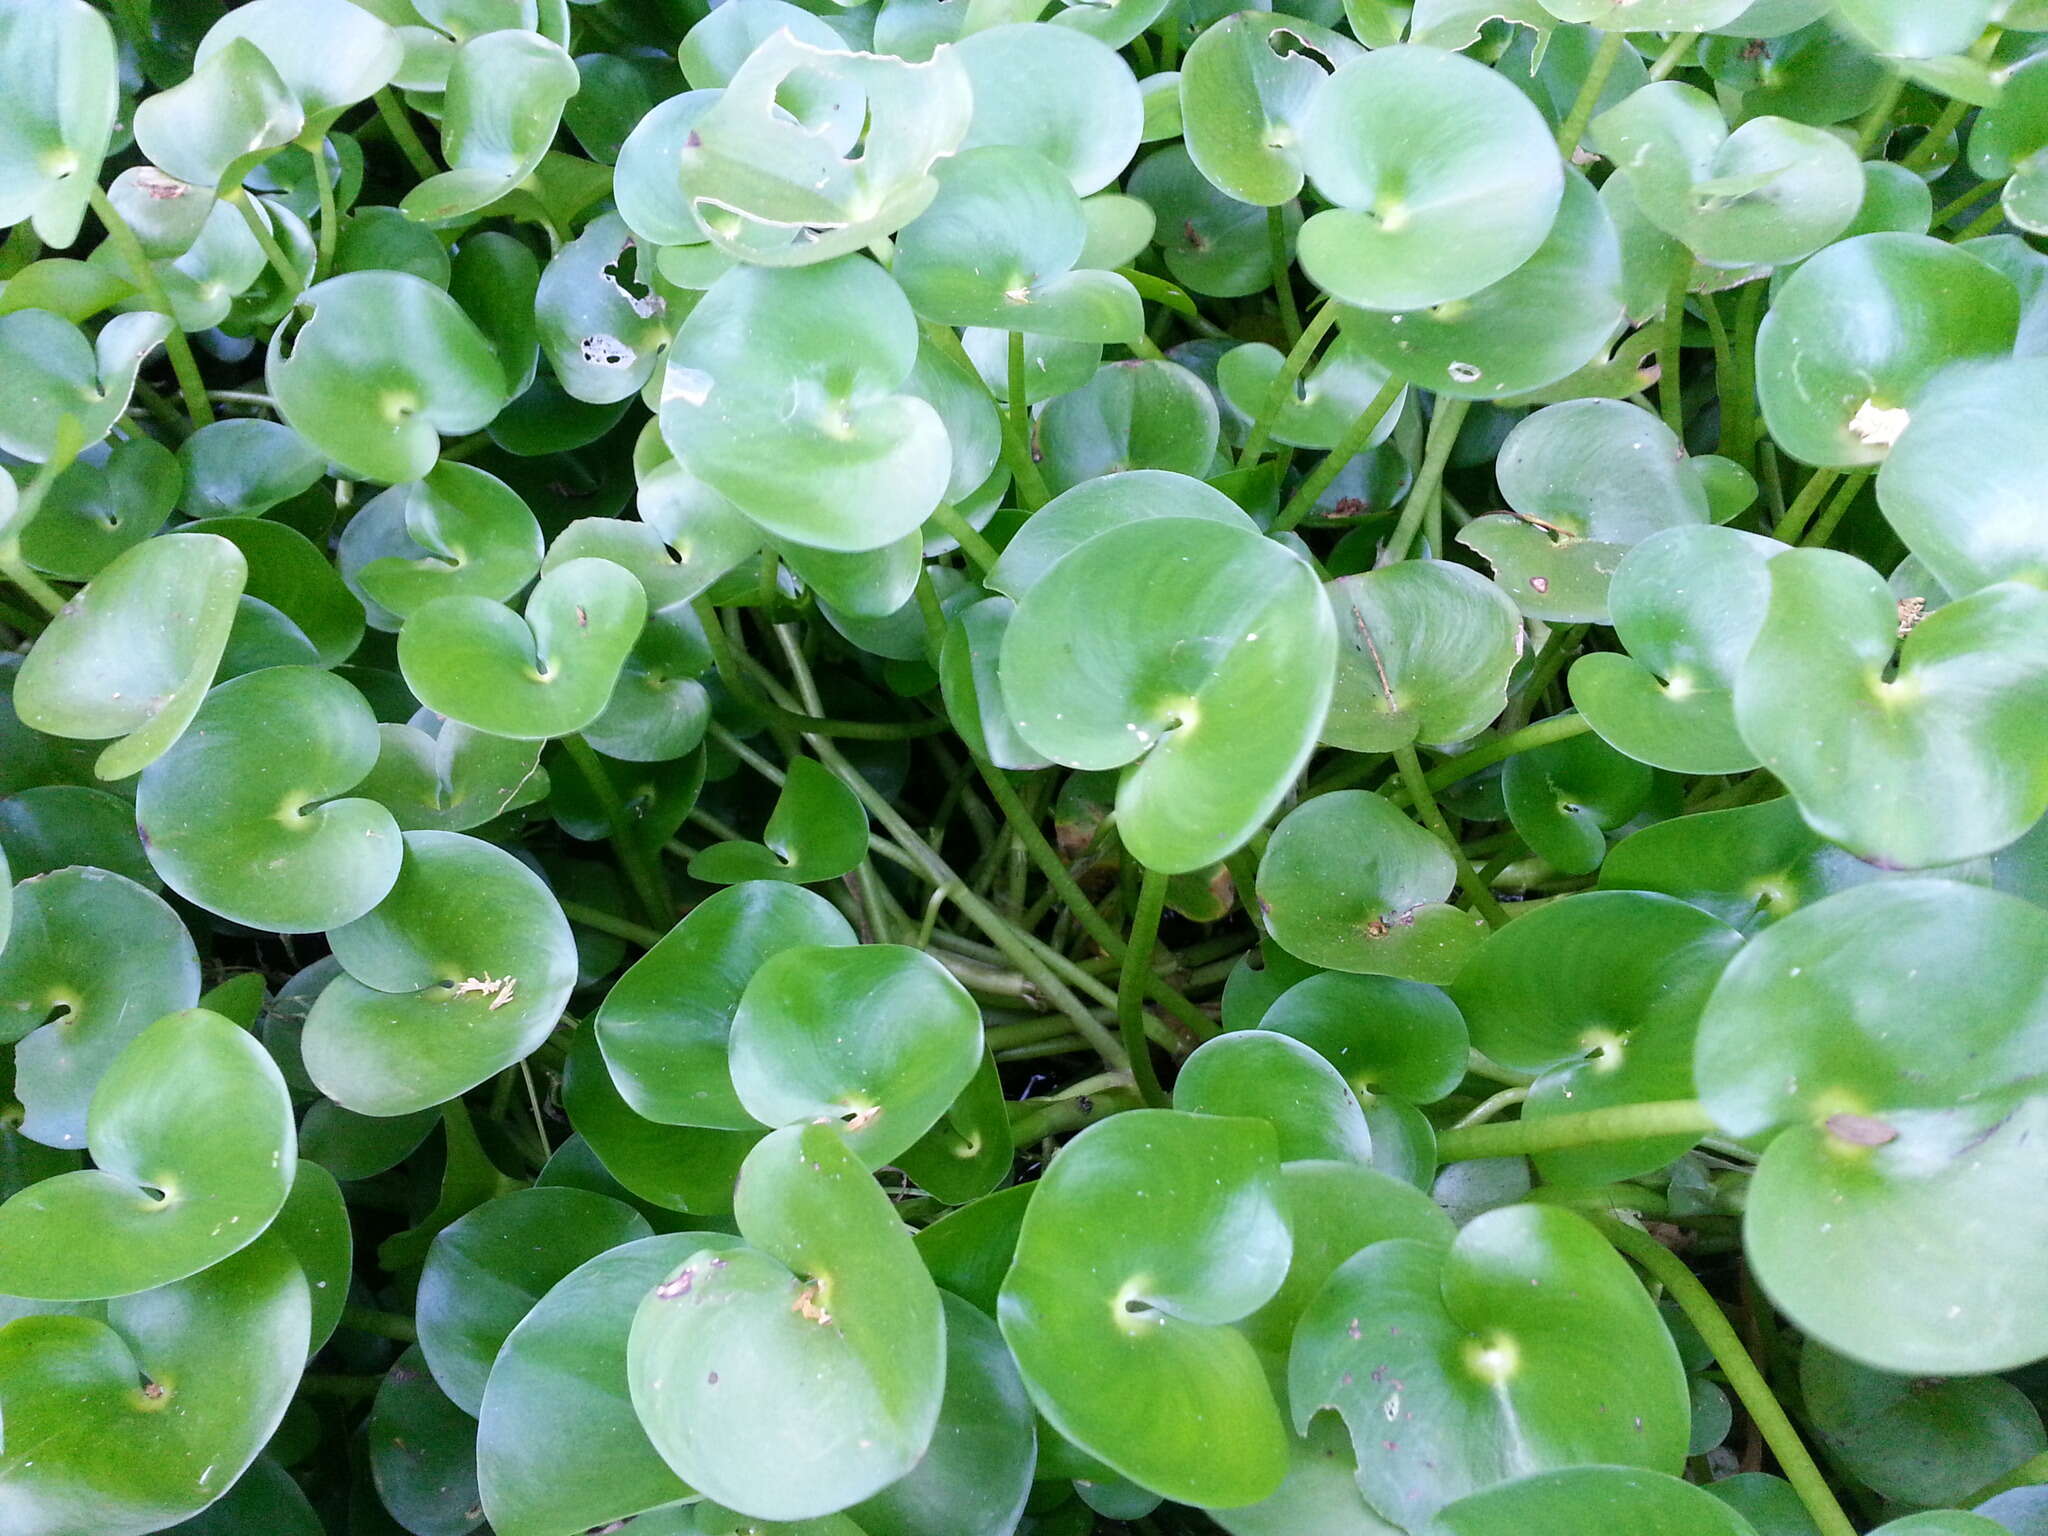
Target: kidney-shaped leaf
[506,90]
[817,831]
[459,532]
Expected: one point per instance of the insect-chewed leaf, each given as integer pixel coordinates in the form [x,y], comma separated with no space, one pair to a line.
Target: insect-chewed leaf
[1245,87]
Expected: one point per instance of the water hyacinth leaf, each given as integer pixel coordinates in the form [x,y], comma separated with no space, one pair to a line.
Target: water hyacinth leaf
[784,170]
[1892,1031]
[545,674]
[998,247]
[90,1445]
[383,366]
[817,831]
[505,94]
[785,395]
[562,1373]
[458,532]
[1349,883]
[1687,604]
[1644,1503]
[329,54]
[1477,1363]
[976,1476]
[459,972]
[54,372]
[231,113]
[1970,530]
[105,504]
[1854,334]
[1564,798]
[1770,192]
[1057,91]
[64,75]
[245,816]
[1572,521]
[665,1025]
[484,1273]
[1118,1308]
[1245,88]
[1929,765]
[1444,179]
[244,466]
[1264,1076]
[1612,1024]
[1183,622]
[818,1351]
[1424,650]
[422,1452]
[132,654]
[876,1037]
[195,1108]
[1542,322]
[442,776]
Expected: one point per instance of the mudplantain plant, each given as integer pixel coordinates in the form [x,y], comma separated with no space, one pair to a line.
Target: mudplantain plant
[951,767]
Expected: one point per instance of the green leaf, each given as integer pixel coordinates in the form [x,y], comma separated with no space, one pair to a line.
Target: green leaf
[442,776]
[1246,88]
[459,972]
[559,1450]
[127,1416]
[1139,414]
[422,1452]
[101,507]
[329,54]
[214,127]
[666,1023]
[1181,624]
[484,1273]
[1892,1032]
[803,1373]
[1564,798]
[1264,1076]
[52,372]
[244,816]
[1058,91]
[63,75]
[1599,994]
[243,466]
[1386,1036]
[53,825]
[1424,653]
[1443,177]
[1324,403]
[1526,1346]
[1928,765]
[1561,1503]
[1151,1233]
[382,367]
[458,532]
[93,960]
[1349,883]
[604,313]
[506,90]
[969,1151]
[547,674]
[817,832]
[192,1137]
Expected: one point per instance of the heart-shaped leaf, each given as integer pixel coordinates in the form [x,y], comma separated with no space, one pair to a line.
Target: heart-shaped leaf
[484,1273]
[818,831]
[92,961]
[101,507]
[191,1133]
[877,1037]
[1458,1369]
[422,1452]
[1424,652]
[1564,798]
[1150,1234]
[243,814]
[1073,517]
[505,94]
[1349,883]
[53,372]
[1930,765]
[459,532]
[546,674]
[665,1024]
[817,1352]
[243,466]
[1891,1034]
[215,126]
[459,972]
[1181,624]
[1600,995]
[1246,87]
[1444,178]
[441,776]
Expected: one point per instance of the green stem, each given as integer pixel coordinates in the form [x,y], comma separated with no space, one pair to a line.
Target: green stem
[1558,1133]
[735,680]
[330,227]
[1956,205]
[1738,390]
[1675,53]
[1671,346]
[1492,1108]
[604,922]
[1024,469]
[1706,1316]
[281,264]
[393,115]
[1870,133]
[1353,442]
[1824,526]
[1805,504]
[1984,223]
[1436,455]
[1468,878]
[1597,72]
[1542,733]
[1056,1117]
[1130,990]
[643,871]
[1042,853]
[1725,382]
[966,535]
[2027,1474]
[1281,390]
[1283,274]
[18,571]
[190,384]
